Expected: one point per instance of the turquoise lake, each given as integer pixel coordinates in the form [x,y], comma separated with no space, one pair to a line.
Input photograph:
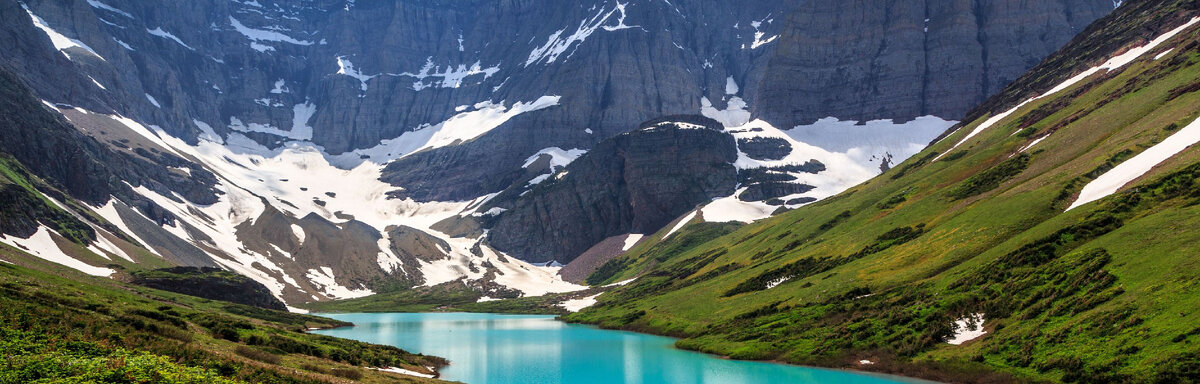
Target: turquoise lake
[528,349]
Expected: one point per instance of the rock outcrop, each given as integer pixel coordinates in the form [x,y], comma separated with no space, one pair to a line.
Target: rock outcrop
[632,183]
[210,283]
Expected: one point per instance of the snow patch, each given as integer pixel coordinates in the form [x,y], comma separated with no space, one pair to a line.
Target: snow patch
[264,35]
[167,35]
[631,240]
[450,77]
[559,158]
[967,328]
[1112,181]
[575,305]
[153,101]
[345,67]
[42,245]
[280,87]
[98,5]
[1164,53]
[557,44]
[680,224]
[457,129]
[403,371]
[298,232]
[61,42]
[323,277]
[871,142]
[730,208]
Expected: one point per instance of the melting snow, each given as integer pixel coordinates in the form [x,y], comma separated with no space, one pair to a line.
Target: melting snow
[680,224]
[631,240]
[167,35]
[403,371]
[123,44]
[153,101]
[557,44]
[1131,169]
[967,328]
[264,35]
[323,277]
[98,5]
[1164,53]
[779,280]
[60,41]
[298,232]
[280,87]
[558,157]
[458,128]
[730,208]
[868,143]
[451,77]
[42,245]
[345,67]
[575,305]
[731,87]
[301,113]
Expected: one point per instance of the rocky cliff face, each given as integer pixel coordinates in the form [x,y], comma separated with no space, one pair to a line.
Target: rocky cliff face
[632,183]
[210,283]
[901,59]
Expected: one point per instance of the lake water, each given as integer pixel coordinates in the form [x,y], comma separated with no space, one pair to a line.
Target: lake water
[529,349]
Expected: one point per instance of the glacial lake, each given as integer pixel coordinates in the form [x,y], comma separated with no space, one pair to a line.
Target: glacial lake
[532,349]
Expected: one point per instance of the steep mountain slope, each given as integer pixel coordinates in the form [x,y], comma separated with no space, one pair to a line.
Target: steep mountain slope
[1048,238]
[315,146]
[63,326]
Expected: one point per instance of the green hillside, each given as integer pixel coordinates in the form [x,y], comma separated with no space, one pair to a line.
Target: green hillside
[59,325]
[1104,292]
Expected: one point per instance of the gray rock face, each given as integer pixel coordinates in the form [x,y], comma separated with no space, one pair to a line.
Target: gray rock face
[372,70]
[632,183]
[897,59]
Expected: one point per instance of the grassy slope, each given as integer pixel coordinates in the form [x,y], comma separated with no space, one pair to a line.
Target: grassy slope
[62,325]
[1095,301]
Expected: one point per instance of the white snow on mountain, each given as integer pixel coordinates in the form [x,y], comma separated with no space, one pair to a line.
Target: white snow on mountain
[631,240]
[98,5]
[324,278]
[158,31]
[557,44]
[558,157]
[730,208]
[264,35]
[868,143]
[1129,170]
[450,77]
[345,67]
[459,128]
[61,42]
[967,328]
[682,222]
[42,245]
[294,179]
[576,305]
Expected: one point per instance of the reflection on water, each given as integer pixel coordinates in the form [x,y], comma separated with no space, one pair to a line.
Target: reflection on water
[489,348]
